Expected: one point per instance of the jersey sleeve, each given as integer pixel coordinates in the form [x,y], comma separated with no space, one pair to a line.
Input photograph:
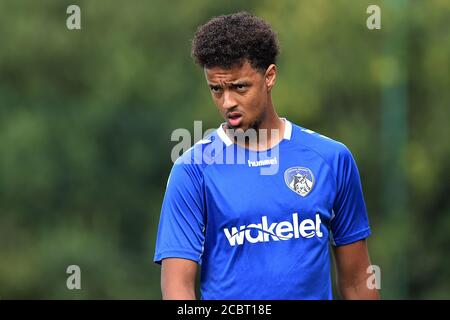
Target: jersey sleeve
[350,222]
[182,220]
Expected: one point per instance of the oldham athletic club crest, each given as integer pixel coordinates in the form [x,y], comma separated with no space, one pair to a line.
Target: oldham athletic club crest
[300,180]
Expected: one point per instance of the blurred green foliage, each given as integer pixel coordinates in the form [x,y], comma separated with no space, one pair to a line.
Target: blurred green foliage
[86,118]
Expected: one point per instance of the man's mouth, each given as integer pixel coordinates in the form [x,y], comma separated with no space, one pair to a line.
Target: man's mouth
[234,119]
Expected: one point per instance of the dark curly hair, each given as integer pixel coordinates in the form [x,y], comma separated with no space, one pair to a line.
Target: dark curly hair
[228,40]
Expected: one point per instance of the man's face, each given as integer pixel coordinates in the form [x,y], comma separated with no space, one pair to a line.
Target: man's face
[241,93]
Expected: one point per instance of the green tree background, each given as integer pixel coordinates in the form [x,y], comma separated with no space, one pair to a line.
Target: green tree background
[86,118]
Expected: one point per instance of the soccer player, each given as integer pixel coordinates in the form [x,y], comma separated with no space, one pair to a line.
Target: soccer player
[259,228]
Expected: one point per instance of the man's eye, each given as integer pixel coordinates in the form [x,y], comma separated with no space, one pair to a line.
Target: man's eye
[215,89]
[240,87]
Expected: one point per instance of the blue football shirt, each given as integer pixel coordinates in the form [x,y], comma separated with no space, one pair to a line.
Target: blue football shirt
[260,223]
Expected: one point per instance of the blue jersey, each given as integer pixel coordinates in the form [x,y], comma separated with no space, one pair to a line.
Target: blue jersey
[260,223]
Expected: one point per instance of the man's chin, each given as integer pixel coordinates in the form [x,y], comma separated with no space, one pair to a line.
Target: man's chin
[239,128]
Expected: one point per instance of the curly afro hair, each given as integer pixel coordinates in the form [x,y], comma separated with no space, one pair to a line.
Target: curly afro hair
[228,40]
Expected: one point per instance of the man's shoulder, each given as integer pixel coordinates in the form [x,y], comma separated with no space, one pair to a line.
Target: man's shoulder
[203,152]
[329,149]
[190,165]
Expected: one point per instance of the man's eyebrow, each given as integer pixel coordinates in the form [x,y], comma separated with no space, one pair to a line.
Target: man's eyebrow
[231,84]
[240,83]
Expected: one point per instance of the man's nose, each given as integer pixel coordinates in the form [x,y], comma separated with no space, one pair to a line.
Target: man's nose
[228,100]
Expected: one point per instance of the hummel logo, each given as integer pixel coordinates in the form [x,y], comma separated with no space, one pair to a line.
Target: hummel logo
[265,162]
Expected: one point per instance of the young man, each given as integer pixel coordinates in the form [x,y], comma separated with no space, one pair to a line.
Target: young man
[256,234]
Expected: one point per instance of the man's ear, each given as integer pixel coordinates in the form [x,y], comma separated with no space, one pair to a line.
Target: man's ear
[270,76]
